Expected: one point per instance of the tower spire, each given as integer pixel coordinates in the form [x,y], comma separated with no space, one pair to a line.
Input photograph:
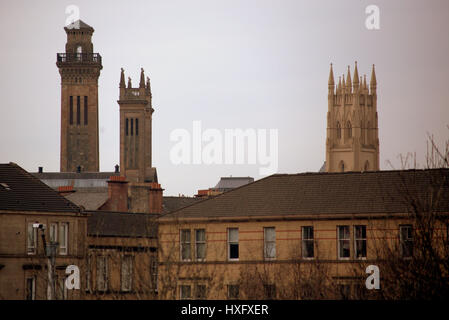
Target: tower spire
[356,78]
[122,78]
[331,77]
[348,80]
[129,83]
[373,82]
[142,79]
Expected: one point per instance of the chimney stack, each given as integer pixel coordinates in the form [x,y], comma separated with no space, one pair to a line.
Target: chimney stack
[118,194]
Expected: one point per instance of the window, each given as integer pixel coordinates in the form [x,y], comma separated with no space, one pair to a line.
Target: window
[338,130]
[53,232]
[85,110]
[102,273]
[31,288]
[200,244]
[360,241]
[307,242]
[71,110]
[63,238]
[78,110]
[126,126]
[186,254]
[406,240]
[349,129]
[153,272]
[270,291]
[132,126]
[200,292]
[269,243]
[233,243]
[88,272]
[185,292]
[31,239]
[127,273]
[342,166]
[233,291]
[366,168]
[137,127]
[343,242]
[60,288]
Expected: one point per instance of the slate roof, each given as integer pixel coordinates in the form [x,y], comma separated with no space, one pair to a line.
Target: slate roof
[79,24]
[121,224]
[21,191]
[320,193]
[170,204]
[89,199]
[228,183]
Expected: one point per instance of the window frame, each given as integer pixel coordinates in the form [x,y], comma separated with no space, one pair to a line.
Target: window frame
[31,249]
[200,242]
[63,249]
[31,294]
[124,261]
[402,242]
[185,244]
[236,287]
[365,239]
[304,240]
[347,240]
[181,295]
[104,272]
[233,242]
[267,242]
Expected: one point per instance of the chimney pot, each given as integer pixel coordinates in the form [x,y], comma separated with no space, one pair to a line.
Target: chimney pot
[40,169]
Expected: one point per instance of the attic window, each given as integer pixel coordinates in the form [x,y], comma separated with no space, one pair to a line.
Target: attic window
[4,185]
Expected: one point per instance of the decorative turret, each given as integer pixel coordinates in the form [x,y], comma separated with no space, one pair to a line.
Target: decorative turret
[348,81]
[373,82]
[331,83]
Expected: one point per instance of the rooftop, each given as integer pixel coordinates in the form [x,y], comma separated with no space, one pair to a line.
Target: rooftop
[21,191]
[320,193]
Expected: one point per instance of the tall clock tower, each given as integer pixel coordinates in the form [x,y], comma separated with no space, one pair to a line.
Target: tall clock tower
[79,68]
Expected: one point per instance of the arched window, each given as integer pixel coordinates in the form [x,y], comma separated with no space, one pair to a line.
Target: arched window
[342,166]
[349,129]
[366,165]
[368,133]
[79,53]
[338,130]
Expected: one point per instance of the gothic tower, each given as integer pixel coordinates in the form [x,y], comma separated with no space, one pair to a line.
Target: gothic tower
[352,142]
[135,130]
[79,68]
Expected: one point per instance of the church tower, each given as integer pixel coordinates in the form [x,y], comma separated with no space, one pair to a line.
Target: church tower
[135,130]
[352,142]
[79,68]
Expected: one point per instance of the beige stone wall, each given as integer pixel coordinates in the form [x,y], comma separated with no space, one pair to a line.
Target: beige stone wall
[217,271]
[17,263]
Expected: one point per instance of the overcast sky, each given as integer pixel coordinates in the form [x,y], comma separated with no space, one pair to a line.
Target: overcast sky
[230,64]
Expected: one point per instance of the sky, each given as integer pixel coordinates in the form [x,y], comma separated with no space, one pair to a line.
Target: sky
[248,64]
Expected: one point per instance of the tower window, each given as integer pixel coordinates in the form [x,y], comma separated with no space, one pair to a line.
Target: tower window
[79,53]
[126,126]
[71,110]
[137,127]
[349,129]
[85,110]
[78,109]
[338,130]
[132,126]
[342,166]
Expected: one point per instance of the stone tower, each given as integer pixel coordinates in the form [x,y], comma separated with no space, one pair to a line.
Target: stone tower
[352,142]
[79,68]
[135,130]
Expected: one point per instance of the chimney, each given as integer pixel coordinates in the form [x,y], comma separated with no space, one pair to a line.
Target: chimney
[155,198]
[40,169]
[65,190]
[118,194]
